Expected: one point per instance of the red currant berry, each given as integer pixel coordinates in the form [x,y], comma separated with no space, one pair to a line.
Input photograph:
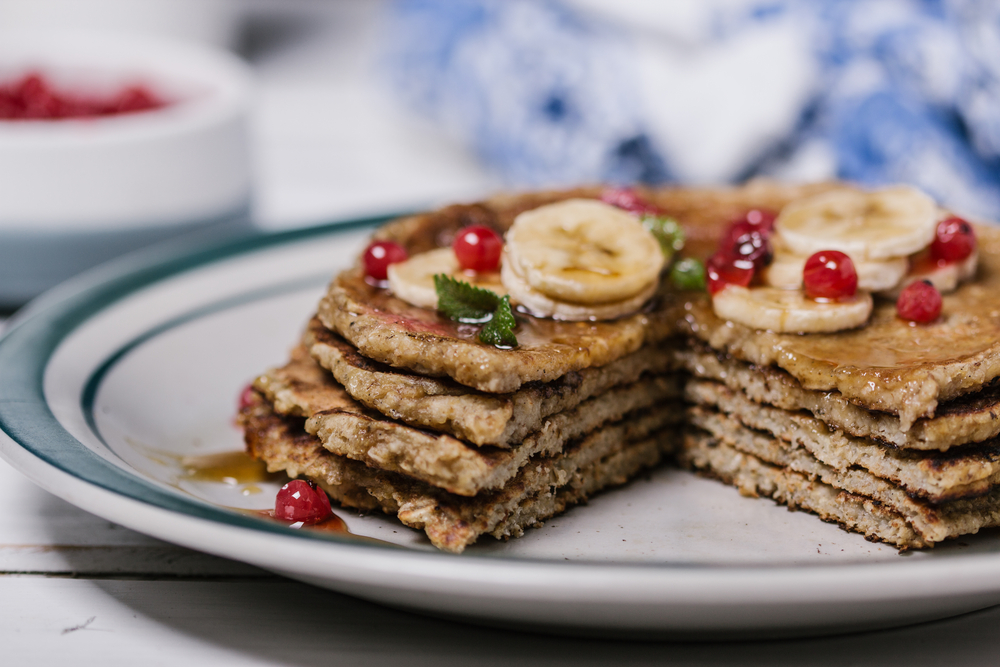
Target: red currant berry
[762,219]
[247,397]
[627,199]
[748,243]
[302,501]
[380,255]
[478,249]
[724,269]
[829,274]
[954,240]
[919,302]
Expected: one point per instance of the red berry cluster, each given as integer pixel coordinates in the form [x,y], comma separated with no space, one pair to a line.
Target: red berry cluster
[744,249]
[33,98]
[477,248]
[954,241]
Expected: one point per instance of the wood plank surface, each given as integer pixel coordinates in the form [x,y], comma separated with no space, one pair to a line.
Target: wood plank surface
[112,622]
[43,534]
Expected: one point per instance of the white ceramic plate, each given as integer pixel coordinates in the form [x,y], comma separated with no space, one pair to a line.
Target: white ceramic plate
[107,381]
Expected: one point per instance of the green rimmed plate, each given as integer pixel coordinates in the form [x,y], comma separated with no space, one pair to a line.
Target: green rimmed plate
[107,382]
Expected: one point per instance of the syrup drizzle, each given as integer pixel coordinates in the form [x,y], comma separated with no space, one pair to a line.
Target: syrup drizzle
[237,468]
[230,468]
[333,523]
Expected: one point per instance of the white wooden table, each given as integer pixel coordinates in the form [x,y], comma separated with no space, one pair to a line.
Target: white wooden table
[77,590]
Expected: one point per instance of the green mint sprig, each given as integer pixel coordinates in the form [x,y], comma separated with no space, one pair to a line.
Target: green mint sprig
[462,302]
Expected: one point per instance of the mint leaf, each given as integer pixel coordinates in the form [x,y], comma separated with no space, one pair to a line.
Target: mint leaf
[667,231]
[499,331]
[462,302]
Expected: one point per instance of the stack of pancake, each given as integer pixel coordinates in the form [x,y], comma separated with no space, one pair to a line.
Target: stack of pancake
[392,407]
[889,430]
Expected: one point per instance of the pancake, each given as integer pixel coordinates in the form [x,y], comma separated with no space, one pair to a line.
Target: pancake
[752,477]
[960,473]
[888,365]
[344,427]
[452,522]
[968,419]
[501,420]
[928,522]
[391,331]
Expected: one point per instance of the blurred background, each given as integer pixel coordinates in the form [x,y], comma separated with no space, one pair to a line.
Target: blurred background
[370,106]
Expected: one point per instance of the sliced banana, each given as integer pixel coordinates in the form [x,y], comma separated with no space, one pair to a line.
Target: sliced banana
[413,280]
[584,251]
[883,224]
[785,272]
[945,277]
[540,305]
[789,311]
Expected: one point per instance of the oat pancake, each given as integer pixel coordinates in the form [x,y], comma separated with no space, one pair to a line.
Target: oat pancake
[393,332]
[887,365]
[345,427]
[481,418]
[968,419]
[932,522]
[451,522]
[752,477]
[960,473]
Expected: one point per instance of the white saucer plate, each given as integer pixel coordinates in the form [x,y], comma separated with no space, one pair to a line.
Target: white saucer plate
[106,382]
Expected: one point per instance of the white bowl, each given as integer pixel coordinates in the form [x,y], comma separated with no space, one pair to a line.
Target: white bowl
[76,192]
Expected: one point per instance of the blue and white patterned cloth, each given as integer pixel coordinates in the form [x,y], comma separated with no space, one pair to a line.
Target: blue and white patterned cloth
[552,92]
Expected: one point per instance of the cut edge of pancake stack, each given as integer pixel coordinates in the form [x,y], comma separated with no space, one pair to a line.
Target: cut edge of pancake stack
[903,449]
[390,409]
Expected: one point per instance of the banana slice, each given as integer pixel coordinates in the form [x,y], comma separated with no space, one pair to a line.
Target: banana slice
[540,305]
[884,224]
[584,251]
[413,280]
[789,311]
[785,272]
[946,277]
